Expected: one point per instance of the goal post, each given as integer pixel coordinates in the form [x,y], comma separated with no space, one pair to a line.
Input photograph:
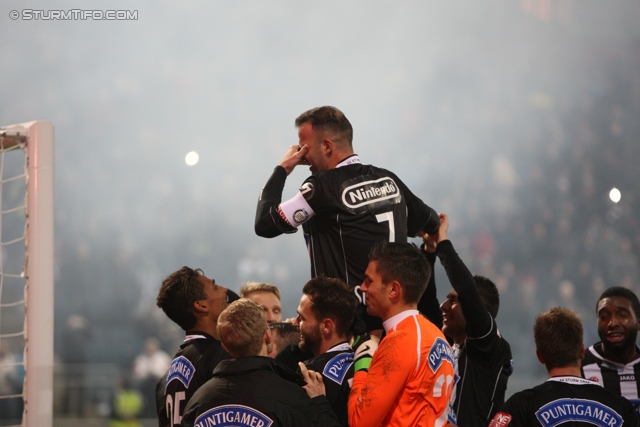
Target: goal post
[36,139]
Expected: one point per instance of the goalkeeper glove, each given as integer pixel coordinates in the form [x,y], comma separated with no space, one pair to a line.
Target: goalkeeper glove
[364,353]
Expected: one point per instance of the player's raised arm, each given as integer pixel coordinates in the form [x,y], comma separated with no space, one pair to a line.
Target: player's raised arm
[429,305]
[475,312]
[468,319]
[272,217]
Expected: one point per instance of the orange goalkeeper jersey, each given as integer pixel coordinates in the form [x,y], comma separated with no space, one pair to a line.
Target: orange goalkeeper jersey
[410,379]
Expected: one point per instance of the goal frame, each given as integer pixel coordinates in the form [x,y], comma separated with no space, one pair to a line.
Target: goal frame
[36,138]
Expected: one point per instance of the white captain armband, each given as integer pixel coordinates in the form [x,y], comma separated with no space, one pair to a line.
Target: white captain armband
[296,211]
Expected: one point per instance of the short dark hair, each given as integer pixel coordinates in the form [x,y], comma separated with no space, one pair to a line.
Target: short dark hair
[619,291]
[283,334]
[489,293]
[334,299]
[241,328]
[558,336]
[178,292]
[330,120]
[404,263]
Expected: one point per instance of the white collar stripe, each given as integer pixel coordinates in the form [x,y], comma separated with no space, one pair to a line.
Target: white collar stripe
[351,160]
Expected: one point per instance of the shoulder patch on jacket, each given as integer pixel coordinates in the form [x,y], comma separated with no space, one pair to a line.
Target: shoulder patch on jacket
[181,369]
[336,369]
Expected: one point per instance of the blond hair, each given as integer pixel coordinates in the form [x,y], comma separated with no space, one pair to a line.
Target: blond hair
[251,287]
[241,328]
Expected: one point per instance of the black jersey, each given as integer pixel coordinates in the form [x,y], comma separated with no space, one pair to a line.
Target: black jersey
[623,380]
[348,210]
[483,360]
[256,391]
[354,206]
[566,402]
[483,369]
[336,367]
[190,368]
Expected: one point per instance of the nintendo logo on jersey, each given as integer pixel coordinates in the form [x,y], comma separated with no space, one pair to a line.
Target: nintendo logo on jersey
[368,192]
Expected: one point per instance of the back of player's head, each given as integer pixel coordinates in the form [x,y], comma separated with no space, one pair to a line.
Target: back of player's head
[619,291]
[177,294]
[489,294]
[404,263]
[241,328]
[558,336]
[334,299]
[329,120]
[251,287]
[283,334]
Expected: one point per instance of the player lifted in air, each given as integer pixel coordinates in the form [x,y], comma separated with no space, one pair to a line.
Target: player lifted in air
[345,206]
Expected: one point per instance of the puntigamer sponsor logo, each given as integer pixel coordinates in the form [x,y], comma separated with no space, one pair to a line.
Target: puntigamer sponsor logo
[233,416]
[336,369]
[588,411]
[182,370]
[365,193]
[440,351]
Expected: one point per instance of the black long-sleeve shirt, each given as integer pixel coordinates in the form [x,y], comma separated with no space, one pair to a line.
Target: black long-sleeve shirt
[484,358]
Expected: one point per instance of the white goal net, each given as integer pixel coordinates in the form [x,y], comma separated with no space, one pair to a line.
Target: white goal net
[26,274]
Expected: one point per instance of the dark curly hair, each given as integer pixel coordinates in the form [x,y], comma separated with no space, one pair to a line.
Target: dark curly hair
[178,293]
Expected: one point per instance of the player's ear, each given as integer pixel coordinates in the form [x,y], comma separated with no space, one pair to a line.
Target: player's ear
[541,359]
[582,352]
[395,290]
[327,146]
[326,327]
[200,306]
[267,336]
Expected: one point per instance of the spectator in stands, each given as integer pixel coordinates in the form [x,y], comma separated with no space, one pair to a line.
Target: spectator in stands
[483,357]
[614,361]
[565,398]
[148,367]
[408,381]
[268,296]
[325,313]
[75,343]
[128,405]
[252,386]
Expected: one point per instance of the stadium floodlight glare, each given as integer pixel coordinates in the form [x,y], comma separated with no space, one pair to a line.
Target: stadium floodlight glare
[191,158]
[26,237]
[615,195]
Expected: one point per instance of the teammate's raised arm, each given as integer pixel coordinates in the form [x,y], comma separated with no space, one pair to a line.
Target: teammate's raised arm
[484,356]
